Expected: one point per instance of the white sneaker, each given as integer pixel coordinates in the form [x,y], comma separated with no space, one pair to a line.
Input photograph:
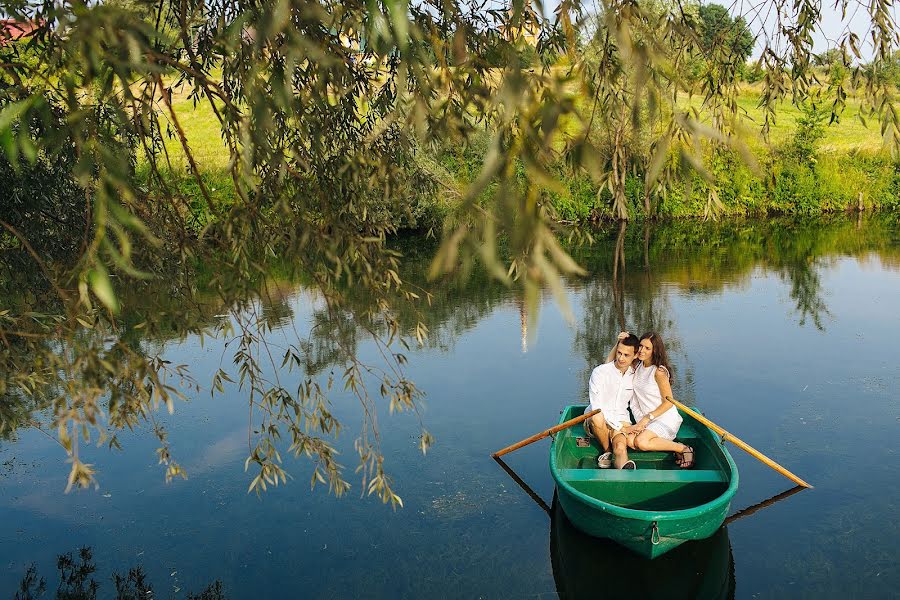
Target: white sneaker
[605,460]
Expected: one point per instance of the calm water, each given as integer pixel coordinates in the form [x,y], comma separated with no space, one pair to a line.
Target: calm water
[784,332]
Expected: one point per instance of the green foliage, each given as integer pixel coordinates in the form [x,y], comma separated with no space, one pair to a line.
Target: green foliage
[833,183]
[829,57]
[753,72]
[803,146]
[723,33]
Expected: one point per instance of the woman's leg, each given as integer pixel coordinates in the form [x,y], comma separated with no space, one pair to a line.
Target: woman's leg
[647,440]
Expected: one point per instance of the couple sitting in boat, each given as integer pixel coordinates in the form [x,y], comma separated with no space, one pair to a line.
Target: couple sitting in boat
[638,375]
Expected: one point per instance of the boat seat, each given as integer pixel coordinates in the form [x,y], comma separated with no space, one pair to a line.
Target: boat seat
[653,475]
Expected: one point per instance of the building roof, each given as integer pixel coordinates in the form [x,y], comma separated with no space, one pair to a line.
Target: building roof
[12,30]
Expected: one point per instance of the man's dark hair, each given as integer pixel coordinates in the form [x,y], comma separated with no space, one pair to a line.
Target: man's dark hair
[631,340]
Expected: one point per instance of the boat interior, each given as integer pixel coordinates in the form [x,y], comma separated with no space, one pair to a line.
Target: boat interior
[658,483]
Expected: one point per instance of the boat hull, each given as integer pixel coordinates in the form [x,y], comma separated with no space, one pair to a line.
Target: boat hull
[699,569]
[637,534]
[650,510]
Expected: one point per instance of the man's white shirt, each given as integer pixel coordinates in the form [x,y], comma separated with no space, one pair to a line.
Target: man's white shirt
[610,391]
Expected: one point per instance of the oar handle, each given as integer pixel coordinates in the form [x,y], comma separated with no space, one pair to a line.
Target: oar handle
[543,434]
[739,443]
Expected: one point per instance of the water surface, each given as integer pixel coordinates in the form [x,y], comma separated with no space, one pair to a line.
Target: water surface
[781,331]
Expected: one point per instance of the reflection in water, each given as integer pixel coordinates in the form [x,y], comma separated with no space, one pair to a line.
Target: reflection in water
[78,581]
[588,567]
[746,512]
[585,566]
[634,273]
[637,272]
[521,483]
[624,298]
[617,284]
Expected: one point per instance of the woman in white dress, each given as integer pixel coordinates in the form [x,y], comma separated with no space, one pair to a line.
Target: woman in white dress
[657,418]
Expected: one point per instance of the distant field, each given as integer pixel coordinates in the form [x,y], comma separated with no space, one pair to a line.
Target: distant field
[203,133]
[847,136]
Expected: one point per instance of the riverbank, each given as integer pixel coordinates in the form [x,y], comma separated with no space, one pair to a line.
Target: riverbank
[807,167]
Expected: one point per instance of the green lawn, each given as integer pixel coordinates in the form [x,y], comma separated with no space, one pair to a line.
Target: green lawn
[846,136]
[841,140]
[203,133]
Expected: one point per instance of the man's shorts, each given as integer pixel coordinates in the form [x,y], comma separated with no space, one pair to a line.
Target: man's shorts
[590,431]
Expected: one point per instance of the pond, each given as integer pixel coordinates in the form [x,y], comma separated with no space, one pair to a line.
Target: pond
[782,331]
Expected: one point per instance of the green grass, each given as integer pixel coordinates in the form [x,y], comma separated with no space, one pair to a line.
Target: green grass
[204,138]
[846,136]
[851,158]
[203,133]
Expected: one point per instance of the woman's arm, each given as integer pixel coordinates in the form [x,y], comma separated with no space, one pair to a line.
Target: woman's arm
[665,390]
[612,353]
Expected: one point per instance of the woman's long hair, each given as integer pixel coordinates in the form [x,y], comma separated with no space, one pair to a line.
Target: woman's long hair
[659,357]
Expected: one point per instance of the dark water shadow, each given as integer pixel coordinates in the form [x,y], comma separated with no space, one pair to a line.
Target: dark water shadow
[588,567]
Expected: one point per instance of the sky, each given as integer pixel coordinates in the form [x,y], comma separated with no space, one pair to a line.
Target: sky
[834,25]
[761,17]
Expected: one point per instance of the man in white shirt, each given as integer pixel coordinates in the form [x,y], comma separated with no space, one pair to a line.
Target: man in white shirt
[611,388]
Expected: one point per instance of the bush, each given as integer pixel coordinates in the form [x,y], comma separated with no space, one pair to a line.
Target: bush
[803,145]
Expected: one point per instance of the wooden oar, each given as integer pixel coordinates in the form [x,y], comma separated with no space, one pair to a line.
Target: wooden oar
[739,443]
[543,434]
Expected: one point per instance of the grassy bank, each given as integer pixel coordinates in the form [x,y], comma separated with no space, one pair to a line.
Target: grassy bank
[820,169]
[835,182]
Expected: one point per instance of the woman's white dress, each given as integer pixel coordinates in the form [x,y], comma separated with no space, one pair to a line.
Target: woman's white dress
[647,398]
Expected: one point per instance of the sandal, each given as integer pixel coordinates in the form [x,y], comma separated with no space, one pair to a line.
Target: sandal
[605,460]
[629,466]
[685,458]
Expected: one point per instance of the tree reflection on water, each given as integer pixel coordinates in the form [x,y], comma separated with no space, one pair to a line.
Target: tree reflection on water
[633,274]
[77,581]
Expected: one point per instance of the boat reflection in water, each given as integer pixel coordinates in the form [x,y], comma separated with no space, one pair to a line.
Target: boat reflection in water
[589,567]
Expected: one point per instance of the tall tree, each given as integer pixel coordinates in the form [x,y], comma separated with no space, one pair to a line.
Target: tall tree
[721,31]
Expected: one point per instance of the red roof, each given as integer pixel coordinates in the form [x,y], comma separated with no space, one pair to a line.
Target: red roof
[11,30]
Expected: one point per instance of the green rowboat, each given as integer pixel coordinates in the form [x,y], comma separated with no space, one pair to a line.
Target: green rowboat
[650,510]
